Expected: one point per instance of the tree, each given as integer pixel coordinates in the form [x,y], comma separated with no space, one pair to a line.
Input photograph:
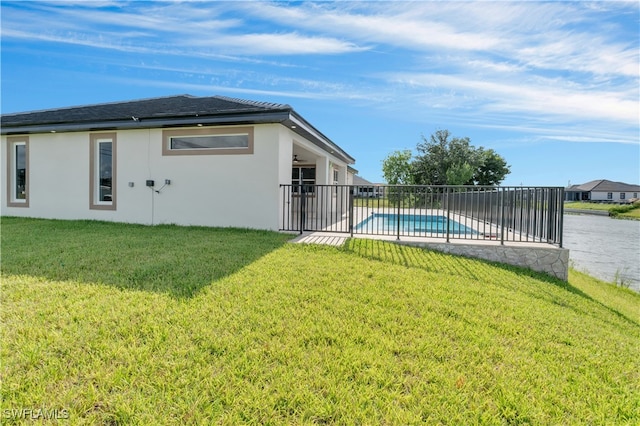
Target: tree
[445,160]
[459,174]
[493,169]
[396,168]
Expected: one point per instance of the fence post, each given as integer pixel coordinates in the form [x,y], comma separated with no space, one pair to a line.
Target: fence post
[502,202]
[350,189]
[561,218]
[398,215]
[302,208]
[448,203]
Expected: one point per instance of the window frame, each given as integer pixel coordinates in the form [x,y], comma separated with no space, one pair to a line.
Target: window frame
[304,182]
[168,134]
[12,199]
[94,169]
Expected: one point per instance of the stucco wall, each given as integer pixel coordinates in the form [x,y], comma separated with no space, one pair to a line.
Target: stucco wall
[207,190]
[616,196]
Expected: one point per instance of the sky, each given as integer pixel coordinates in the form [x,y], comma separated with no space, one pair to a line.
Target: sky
[553,87]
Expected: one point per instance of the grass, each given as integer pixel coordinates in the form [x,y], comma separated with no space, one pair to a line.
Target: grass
[374,202]
[587,206]
[176,260]
[96,320]
[627,211]
[630,211]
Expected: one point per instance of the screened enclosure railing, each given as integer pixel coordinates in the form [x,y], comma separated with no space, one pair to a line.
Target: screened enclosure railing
[522,214]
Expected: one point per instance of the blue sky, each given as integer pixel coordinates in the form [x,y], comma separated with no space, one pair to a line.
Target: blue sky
[553,87]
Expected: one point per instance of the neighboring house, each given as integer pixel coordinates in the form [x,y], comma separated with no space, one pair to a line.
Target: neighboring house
[602,190]
[366,189]
[210,161]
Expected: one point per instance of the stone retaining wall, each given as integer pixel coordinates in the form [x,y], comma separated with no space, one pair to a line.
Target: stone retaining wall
[551,260]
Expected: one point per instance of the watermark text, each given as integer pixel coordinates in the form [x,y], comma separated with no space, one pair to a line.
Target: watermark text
[41,413]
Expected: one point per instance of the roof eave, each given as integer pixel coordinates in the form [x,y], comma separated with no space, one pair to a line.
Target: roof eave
[285,117]
[149,123]
[302,127]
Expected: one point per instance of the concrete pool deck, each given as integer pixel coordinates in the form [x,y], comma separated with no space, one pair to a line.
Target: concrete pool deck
[540,257]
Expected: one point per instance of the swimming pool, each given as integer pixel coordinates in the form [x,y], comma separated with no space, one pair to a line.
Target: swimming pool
[387,223]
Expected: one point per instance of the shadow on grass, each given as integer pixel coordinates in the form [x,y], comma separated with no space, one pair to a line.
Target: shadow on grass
[432,261]
[166,258]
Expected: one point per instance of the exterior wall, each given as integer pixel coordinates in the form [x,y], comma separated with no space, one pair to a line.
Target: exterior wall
[322,171]
[616,196]
[550,260]
[349,178]
[207,190]
[285,155]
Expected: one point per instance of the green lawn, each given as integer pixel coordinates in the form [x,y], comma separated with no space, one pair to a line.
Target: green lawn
[587,206]
[126,324]
[621,211]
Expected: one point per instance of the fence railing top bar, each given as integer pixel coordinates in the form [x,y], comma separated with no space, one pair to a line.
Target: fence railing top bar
[523,187]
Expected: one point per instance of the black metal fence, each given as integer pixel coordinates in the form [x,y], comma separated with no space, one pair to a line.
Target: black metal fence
[523,214]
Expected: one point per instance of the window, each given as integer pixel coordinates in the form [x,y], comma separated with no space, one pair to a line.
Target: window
[635,195]
[622,195]
[305,176]
[18,171]
[335,177]
[609,195]
[102,171]
[208,141]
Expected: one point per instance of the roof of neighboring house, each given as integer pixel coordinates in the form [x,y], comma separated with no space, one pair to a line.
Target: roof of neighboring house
[603,185]
[357,180]
[170,111]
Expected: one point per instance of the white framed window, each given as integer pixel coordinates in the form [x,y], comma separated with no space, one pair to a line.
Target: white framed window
[609,195]
[336,176]
[102,169]
[208,141]
[18,171]
[622,195]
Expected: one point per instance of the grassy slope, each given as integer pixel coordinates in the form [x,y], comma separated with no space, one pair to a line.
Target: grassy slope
[95,319]
[634,213]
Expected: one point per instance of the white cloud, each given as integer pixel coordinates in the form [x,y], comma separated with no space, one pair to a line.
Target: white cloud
[593,139]
[388,23]
[316,91]
[549,64]
[556,36]
[539,98]
[188,29]
[277,44]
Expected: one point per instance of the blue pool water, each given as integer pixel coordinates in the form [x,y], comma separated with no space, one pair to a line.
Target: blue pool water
[413,224]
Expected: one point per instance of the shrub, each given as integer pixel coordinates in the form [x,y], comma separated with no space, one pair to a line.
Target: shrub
[615,211]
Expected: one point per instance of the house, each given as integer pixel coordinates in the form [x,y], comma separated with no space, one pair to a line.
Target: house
[208,161]
[365,189]
[602,191]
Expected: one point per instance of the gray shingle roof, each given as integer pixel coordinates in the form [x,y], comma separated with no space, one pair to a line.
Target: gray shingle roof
[170,111]
[358,180]
[603,185]
[144,109]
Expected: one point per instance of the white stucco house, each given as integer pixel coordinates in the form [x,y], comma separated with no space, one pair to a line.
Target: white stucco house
[208,161]
[603,190]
